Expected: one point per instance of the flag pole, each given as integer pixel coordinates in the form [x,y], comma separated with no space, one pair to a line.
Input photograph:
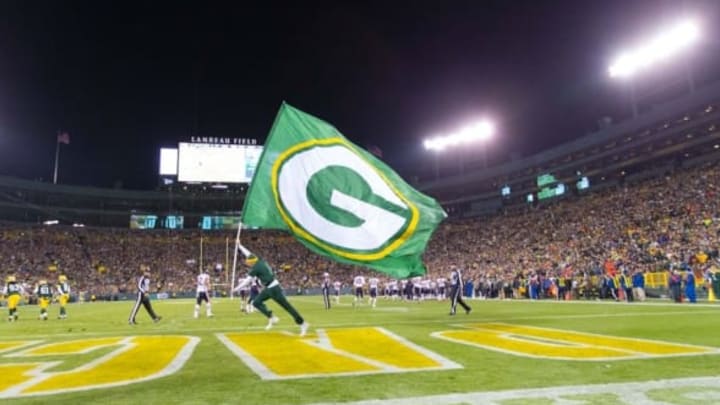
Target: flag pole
[57,158]
[200,267]
[237,242]
[227,258]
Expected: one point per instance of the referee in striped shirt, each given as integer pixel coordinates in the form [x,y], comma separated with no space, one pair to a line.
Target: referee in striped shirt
[456,287]
[326,290]
[143,297]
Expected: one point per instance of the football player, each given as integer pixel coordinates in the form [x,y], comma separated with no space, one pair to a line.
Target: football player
[43,291]
[373,283]
[203,295]
[63,290]
[337,285]
[13,293]
[271,289]
[358,284]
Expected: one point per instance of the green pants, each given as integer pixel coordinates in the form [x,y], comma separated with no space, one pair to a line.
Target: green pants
[277,295]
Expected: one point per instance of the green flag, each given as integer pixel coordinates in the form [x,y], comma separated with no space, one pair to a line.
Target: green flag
[338,199]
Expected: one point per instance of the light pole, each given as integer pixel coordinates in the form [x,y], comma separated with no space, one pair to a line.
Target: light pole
[663,46]
[481,132]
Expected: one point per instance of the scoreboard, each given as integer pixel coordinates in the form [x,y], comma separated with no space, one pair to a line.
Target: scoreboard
[210,162]
[156,222]
[220,222]
[208,222]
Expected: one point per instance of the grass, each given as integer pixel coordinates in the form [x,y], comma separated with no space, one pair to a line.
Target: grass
[213,374]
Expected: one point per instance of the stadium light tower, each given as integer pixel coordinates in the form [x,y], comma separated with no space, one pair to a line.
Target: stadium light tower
[481,131]
[665,45]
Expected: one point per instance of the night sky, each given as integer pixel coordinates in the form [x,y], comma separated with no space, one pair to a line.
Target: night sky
[126,78]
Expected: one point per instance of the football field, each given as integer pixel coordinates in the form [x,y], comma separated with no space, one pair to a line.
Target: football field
[504,352]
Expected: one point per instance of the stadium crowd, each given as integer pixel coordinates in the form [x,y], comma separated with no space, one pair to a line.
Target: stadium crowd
[668,224]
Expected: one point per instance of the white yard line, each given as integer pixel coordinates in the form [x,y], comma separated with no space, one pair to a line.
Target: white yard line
[699,389]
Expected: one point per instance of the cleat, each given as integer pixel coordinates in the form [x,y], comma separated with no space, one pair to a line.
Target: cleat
[467,311]
[156,320]
[132,323]
[451,313]
[304,328]
[272,321]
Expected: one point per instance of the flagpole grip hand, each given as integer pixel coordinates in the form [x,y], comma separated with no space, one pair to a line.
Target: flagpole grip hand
[244,250]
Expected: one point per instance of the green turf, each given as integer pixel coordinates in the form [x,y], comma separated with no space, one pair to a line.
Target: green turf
[214,375]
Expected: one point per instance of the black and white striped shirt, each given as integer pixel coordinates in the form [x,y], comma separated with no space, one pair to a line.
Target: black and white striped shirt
[456,278]
[143,284]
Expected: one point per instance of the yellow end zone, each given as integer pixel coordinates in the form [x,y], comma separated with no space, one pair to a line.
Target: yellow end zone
[336,352]
[565,345]
[14,374]
[133,359]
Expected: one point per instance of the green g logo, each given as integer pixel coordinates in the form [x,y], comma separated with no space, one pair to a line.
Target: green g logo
[335,199]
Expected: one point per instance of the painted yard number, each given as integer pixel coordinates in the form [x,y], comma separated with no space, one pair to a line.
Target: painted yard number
[162,355]
[331,352]
[565,345]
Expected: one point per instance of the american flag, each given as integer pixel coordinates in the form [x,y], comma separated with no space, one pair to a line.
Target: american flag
[63,137]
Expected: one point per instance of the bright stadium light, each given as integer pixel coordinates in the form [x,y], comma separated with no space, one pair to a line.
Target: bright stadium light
[665,45]
[480,131]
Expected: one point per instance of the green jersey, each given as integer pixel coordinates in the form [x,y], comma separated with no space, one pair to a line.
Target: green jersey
[12,288]
[43,290]
[263,272]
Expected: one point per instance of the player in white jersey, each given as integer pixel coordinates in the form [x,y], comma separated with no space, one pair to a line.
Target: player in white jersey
[417,287]
[394,289]
[358,284]
[243,293]
[248,292]
[373,284]
[433,289]
[404,283]
[336,290]
[425,290]
[203,294]
[441,284]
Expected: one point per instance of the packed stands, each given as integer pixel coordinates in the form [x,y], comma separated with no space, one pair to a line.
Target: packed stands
[656,225]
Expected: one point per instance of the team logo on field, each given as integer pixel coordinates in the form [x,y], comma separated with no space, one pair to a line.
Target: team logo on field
[335,199]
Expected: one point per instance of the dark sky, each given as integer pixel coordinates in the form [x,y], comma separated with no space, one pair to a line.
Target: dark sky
[126,78]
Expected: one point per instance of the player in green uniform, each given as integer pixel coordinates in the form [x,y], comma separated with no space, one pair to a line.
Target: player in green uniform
[13,294]
[271,289]
[44,294]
